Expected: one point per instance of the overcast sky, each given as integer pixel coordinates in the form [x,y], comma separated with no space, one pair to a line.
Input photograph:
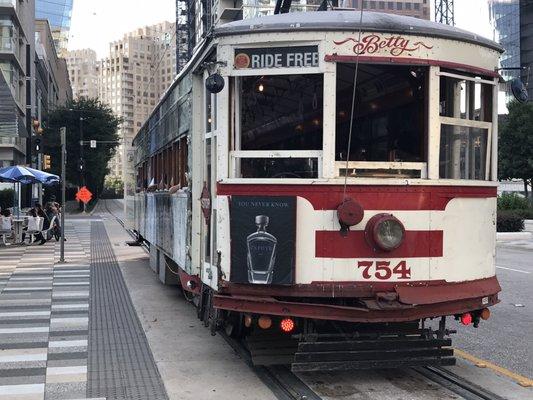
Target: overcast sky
[96,23]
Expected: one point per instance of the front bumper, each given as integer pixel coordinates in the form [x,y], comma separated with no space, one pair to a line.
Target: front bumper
[397,303]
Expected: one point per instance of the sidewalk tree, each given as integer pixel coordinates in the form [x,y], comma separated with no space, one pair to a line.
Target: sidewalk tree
[100,124]
[516,144]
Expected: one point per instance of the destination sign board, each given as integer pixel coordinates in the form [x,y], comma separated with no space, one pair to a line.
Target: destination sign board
[276,57]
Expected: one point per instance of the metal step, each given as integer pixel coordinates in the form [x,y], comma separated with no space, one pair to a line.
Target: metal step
[338,355]
[271,349]
[370,364]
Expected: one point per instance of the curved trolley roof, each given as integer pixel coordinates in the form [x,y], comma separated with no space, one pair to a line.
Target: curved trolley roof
[349,21]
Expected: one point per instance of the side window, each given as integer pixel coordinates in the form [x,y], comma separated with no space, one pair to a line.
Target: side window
[465,109]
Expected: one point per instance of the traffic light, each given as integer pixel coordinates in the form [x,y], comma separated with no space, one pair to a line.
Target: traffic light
[47,163]
[37,143]
[81,165]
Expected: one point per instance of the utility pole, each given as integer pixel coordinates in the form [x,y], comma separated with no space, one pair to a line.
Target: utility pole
[82,161]
[444,12]
[63,133]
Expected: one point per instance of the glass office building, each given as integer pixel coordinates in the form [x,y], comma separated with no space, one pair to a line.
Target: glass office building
[512,21]
[58,13]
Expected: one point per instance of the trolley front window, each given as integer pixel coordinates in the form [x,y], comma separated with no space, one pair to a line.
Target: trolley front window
[279,126]
[389,124]
[465,109]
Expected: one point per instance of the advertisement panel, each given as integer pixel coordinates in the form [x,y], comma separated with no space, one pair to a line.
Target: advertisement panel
[263,232]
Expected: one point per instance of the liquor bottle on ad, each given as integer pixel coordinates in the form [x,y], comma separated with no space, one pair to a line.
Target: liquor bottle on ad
[261,253]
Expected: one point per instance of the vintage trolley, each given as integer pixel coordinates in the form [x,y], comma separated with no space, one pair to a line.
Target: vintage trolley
[324,183]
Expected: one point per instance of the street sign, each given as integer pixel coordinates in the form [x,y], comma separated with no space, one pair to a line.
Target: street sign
[93,144]
[84,195]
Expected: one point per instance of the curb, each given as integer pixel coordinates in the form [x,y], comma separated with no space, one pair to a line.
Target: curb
[510,236]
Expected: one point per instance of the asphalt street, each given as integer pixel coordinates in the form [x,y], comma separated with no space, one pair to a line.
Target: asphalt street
[506,339]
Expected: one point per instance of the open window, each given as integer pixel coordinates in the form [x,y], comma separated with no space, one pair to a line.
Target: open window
[278,126]
[465,109]
[389,124]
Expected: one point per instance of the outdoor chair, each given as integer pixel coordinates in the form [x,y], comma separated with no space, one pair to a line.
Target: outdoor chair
[49,233]
[35,226]
[6,229]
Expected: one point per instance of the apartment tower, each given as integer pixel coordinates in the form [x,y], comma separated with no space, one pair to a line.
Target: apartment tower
[137,71]
[83,70]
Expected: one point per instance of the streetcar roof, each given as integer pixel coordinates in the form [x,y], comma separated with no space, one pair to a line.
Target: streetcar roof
[349,21]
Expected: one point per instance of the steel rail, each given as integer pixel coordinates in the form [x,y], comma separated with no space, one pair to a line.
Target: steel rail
[458,385]
[279,379]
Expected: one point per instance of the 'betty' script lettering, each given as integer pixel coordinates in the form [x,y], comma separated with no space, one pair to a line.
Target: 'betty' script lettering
[396,45]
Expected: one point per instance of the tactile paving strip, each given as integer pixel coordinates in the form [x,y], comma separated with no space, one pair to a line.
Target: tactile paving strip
[120,363]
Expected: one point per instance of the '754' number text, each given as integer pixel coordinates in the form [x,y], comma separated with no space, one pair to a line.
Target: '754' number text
[383,270]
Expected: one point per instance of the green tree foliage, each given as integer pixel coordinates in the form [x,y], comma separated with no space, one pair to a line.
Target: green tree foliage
[113,188]
[100,124]
[516,144]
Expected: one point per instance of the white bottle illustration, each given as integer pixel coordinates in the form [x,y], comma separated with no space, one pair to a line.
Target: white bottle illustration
[261,253]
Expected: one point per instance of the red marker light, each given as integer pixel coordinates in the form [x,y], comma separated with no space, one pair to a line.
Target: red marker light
[286,325]
[466,319]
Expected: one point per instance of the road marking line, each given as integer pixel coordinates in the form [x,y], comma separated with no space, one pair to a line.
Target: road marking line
[515,270]
[520,379]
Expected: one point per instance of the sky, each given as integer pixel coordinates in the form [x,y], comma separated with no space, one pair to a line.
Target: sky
[96,23]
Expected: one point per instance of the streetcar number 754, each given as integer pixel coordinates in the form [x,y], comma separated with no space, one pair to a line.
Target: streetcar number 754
[383,270]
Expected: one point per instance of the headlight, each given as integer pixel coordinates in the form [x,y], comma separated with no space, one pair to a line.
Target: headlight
[384,231]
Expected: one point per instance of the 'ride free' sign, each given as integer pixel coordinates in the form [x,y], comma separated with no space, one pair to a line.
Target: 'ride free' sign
[276,57]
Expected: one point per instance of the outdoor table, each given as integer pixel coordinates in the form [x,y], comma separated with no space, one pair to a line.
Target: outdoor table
[18,228]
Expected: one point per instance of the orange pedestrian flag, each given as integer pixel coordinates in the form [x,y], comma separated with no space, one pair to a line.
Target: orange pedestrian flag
[84,195]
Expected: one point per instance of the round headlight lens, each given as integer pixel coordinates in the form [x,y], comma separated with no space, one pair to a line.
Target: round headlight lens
[385,231]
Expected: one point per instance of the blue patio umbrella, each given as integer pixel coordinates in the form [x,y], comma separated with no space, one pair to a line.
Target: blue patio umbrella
[44,177]
[17,174]
[24,175]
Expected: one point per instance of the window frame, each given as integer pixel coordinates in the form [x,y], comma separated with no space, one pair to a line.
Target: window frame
[235,152]
[491,155]
[422,166]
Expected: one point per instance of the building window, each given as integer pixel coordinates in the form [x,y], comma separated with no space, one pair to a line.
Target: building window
[390,5]
[407,6]
[399,6]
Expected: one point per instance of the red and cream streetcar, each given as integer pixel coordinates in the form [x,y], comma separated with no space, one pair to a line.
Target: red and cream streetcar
[328,179]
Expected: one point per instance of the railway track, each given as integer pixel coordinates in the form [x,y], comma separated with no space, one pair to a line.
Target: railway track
[287,386]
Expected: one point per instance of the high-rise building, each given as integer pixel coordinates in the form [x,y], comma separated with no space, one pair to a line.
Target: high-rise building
[410,8]
[52,80]
[17,83]
[513,29]
[83,70]
[137,71]
[195,18]
[58,13]
[52,86]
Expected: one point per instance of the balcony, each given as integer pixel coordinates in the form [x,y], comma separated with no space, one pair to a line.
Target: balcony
[17,142]
[9,3]
[9,45]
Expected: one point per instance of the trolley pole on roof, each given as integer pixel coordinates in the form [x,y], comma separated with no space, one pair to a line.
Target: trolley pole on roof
[63,134]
